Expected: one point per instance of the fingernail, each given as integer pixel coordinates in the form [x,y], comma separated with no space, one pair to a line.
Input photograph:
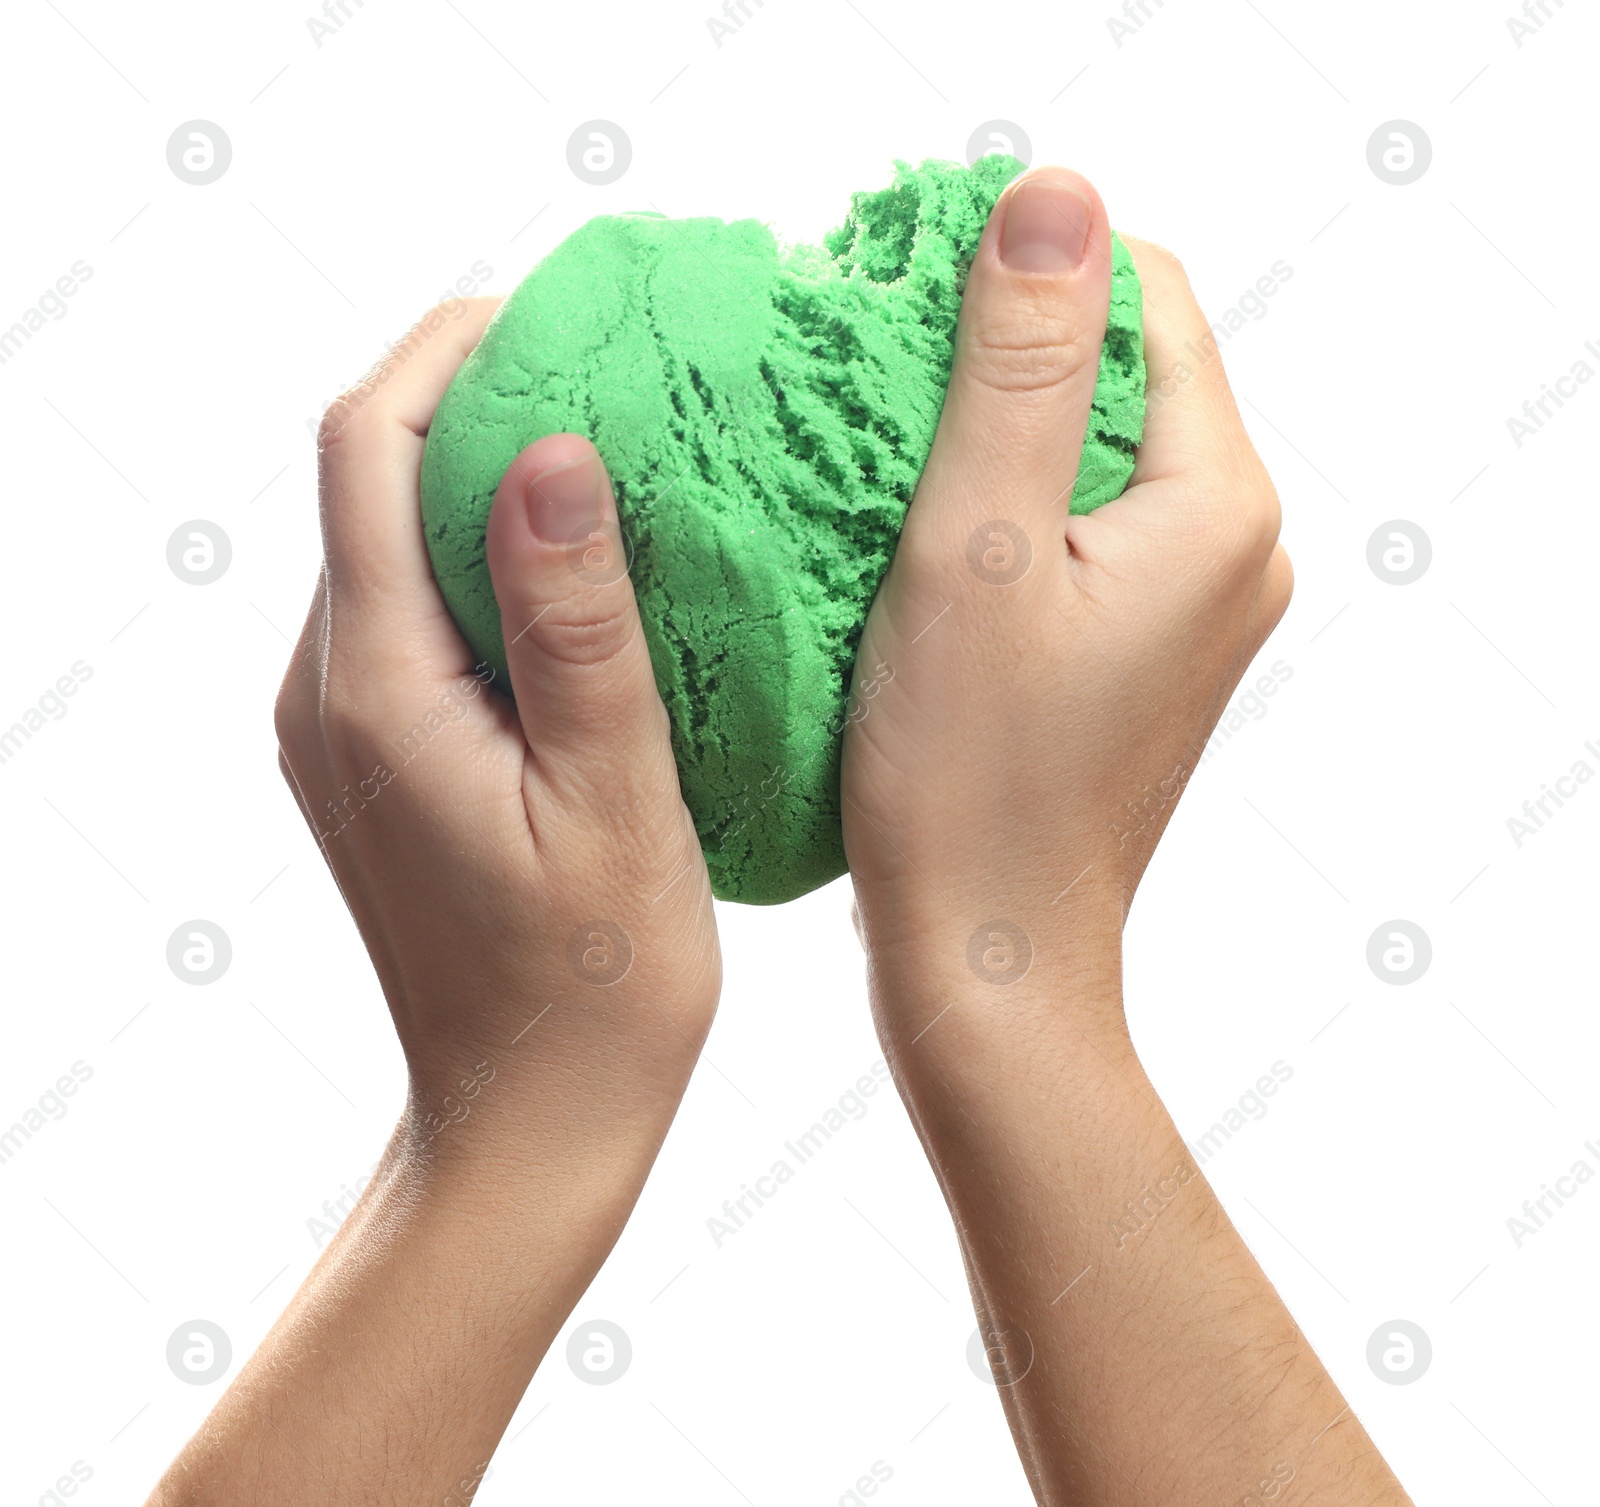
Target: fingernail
[564,501]
[1046,226]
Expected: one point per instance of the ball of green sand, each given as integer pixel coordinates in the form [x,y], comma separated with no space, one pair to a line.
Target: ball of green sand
[764,412]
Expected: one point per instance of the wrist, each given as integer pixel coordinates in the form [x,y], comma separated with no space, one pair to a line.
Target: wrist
[537,1214]
[582,1086]
[972,1011]
[1064,957]
[542,1146]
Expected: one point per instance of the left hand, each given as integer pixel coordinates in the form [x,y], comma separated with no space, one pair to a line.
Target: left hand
[530,888]
[503,861]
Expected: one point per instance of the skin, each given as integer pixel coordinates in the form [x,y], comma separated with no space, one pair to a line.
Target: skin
[502,861]
[539,1092]
[1009,786]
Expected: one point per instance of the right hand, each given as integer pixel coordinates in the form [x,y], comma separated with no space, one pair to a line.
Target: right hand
[1035,737]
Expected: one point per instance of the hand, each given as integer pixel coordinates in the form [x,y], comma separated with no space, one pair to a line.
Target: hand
[529,885]
[505,862]
[1002,796]
[1038,733]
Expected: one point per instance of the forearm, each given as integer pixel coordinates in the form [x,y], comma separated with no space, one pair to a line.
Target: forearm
[1107,1276]
[393,1373]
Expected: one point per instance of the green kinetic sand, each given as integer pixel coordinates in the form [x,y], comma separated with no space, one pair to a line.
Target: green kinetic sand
[765,412]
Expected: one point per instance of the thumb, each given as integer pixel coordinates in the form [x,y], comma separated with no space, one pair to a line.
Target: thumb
[1027,355]
[579,666]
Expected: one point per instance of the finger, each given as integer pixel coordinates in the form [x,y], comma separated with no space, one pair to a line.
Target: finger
[1027,355]
[1191,419]
[1274,593]
[301,691]
[383,599]
[1198,490]
[580,669]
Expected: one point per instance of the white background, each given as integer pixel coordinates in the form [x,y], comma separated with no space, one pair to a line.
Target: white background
[371,172]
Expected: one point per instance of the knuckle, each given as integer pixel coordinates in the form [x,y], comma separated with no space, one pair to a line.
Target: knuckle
[294,712]
[1245,543]
[347,413]
[1156,260]
[1187,520]
[288,718]
[1227,535]
[294,708]
[343,727]
[336,417]
[1278,587]
[922,551]
[1030,350]
[287,770]
[414,339]
[349,741]
[1265,513]
[588,629]
[1256,512]
[1260,510]
[345,417]
[342,414]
